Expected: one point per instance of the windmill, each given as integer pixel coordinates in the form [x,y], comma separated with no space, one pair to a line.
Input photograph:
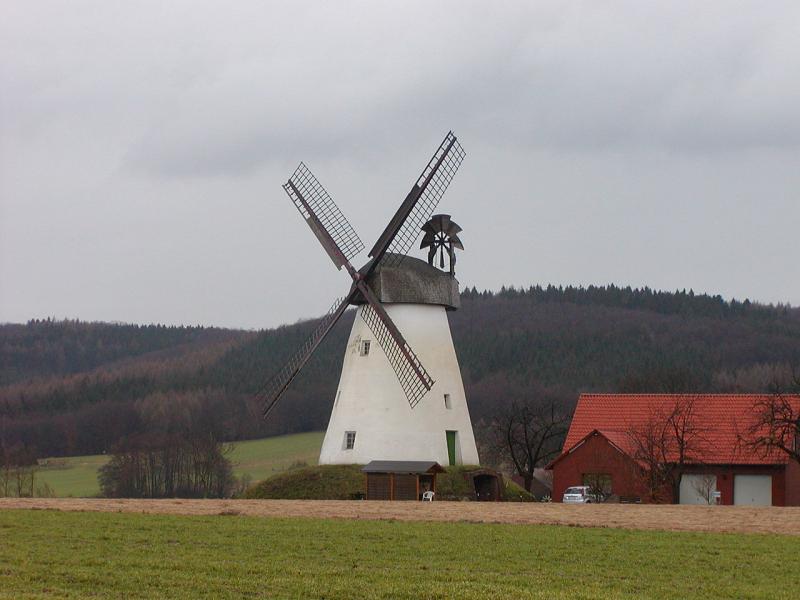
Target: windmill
[377,412]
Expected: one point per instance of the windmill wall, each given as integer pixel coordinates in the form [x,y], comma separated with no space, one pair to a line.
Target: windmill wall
[370,401]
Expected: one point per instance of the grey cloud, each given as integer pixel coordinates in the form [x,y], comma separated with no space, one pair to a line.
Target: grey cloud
[143,146]
[586,80]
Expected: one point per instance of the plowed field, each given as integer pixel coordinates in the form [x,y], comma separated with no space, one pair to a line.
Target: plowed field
[624,516]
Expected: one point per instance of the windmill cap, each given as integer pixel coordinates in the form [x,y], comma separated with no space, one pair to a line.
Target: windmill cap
[413,281]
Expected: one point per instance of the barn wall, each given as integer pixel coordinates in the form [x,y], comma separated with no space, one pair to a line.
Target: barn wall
[597,455]
[793,483]
[779,488]
[726,473]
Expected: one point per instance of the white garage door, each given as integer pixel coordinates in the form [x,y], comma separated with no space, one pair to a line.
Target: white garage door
[755,490]
[697,488]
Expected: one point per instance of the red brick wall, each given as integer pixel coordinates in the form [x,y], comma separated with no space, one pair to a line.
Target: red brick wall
[724,486]
[779,488]
[793,483]
[597,455]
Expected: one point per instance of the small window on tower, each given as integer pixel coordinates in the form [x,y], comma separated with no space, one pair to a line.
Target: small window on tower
[349,440]
[447,404]
[364,347]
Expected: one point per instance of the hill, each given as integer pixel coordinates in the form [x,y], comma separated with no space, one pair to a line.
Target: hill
[547,342]
[346,482]
[47,347]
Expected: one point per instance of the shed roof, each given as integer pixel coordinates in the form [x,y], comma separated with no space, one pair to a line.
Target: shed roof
[403,466]
[722,418]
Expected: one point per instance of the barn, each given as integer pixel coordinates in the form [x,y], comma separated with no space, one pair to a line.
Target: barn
[614,438]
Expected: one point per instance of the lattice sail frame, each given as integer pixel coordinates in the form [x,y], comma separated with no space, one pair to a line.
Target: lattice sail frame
[274,388]
[433,190]
[415,383]
[315,203]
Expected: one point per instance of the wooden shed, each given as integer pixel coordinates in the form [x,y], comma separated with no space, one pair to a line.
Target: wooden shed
[400,479]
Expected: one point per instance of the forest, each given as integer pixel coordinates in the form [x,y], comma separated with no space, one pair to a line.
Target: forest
[71,387]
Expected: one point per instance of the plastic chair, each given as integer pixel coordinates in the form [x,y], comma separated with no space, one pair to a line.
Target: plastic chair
[428,497]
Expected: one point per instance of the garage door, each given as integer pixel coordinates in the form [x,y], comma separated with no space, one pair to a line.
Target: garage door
[754,490]
[697,488]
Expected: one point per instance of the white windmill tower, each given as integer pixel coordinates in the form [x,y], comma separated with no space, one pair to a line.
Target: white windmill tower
[378,413]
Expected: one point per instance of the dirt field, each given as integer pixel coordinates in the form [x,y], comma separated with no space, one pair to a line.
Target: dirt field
[676,518]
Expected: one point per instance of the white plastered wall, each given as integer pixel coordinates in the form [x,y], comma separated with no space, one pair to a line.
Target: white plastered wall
[371,402]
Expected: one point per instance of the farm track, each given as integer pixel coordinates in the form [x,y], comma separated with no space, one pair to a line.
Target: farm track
[665,517]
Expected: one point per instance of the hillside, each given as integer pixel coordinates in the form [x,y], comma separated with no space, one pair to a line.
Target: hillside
[47,347]
[119,379]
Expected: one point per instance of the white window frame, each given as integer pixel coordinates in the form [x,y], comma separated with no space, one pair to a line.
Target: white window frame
[349,442]
[364,347]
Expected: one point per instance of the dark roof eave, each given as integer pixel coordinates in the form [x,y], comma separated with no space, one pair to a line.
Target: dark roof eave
[416,467]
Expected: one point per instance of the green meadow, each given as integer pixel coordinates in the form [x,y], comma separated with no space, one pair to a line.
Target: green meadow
[50,554]
[76,476]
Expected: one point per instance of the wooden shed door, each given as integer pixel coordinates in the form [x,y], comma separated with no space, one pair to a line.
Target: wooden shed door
[405,487]
[378,486]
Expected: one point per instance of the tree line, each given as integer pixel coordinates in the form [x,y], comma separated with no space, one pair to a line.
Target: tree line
[153,465]
[62,347]
[560,341]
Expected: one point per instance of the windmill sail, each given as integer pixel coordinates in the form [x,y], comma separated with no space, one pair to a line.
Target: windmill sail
[413,378]
[318,209]
[272,390]
[404,228]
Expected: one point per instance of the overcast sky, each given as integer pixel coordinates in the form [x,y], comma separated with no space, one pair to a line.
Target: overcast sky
[144,146]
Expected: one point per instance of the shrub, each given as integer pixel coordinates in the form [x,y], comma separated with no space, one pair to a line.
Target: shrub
[324,482]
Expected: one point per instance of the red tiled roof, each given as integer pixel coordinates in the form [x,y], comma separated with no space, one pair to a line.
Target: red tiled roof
[619,438]
[722,417]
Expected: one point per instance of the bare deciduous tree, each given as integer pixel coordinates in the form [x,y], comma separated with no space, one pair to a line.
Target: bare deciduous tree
[705,485]
[599,485]
[17,471]
[168,465]
[649,443]
[528,434]
[665,443]
[776,422]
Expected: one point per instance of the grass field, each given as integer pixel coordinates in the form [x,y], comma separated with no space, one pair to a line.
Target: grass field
[76,476]
[48,554]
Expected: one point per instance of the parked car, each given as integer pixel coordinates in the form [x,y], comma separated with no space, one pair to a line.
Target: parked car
[579,494]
